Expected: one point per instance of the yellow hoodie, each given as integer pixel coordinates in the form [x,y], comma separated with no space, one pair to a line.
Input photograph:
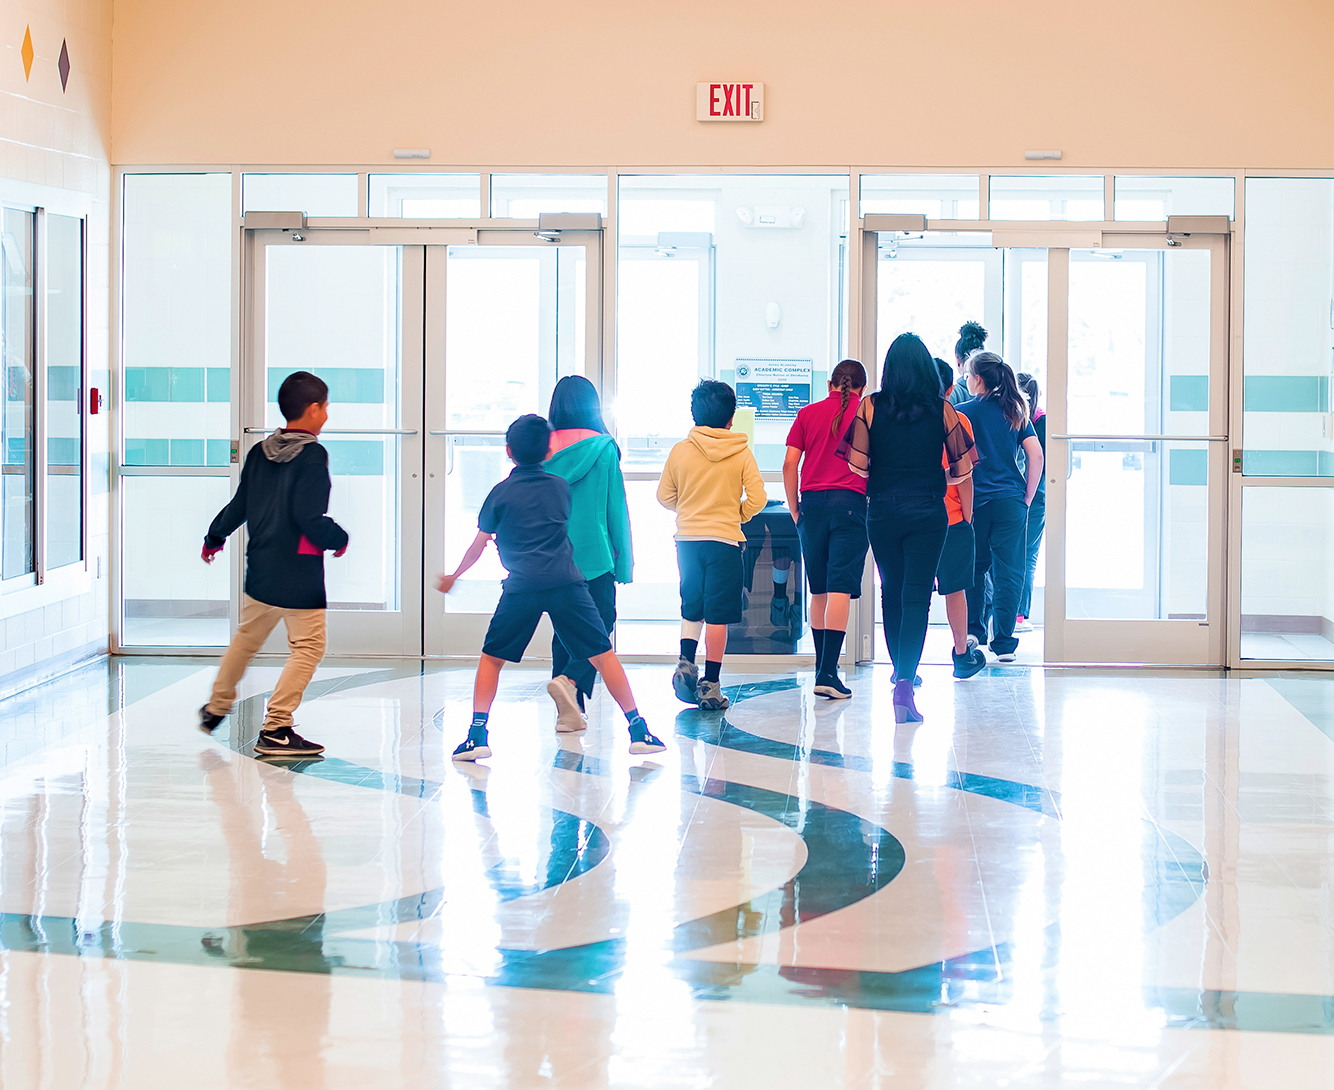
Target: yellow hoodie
[712,483]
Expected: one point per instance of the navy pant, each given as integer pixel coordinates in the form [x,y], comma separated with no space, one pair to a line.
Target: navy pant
[581,671]
[1000,526]
[1037,521]
[907,543]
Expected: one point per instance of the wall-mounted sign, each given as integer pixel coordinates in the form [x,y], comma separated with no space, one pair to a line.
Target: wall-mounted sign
[729,102]
[775,389]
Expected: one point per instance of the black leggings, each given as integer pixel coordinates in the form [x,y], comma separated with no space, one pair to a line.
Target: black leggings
[582,672]
[1000,526]
[907,544]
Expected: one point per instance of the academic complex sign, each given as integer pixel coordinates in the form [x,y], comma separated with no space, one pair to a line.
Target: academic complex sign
[729,102]
[775,389]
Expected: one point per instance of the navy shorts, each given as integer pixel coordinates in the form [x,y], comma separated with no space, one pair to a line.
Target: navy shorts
[832,528]
[711,575]
[955,570]
[575,618]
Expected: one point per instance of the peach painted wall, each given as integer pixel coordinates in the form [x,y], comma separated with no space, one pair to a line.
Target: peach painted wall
[1139,83]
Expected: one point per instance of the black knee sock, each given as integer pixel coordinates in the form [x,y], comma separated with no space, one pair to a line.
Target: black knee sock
[833,647]
[817,634]
[688,649]
[712,670]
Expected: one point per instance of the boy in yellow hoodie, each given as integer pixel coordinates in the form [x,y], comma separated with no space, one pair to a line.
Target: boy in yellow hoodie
[712,483]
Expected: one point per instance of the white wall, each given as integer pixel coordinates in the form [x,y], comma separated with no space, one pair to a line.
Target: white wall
[61,139]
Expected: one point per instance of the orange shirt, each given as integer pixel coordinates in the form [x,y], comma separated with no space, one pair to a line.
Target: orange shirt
[952,503]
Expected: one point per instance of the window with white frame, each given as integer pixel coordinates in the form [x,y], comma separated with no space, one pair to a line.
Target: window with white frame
[42,427]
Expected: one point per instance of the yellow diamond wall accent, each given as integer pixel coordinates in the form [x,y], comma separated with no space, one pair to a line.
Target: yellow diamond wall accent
[27,53]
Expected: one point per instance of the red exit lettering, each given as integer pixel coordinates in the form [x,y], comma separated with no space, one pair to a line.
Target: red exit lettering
[713,99]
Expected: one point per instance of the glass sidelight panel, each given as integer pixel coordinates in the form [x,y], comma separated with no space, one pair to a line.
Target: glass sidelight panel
[335,311]
[170,597]
[64,390]
[932,291]
[1287,595]
[18,415]
[474,464]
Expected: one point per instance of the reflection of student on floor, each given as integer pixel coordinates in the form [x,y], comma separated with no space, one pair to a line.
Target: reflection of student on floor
[282,499]
[713,484]
[830,511]
[954,574]
[1002,492]
[1037,510]
[590,461]
[527,514]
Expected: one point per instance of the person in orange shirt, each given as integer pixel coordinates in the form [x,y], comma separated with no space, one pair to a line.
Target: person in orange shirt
[954,574]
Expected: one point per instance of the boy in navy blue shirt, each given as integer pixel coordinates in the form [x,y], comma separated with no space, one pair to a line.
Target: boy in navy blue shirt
[527,515]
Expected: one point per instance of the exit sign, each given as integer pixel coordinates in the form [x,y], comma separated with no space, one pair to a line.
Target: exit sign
[729,102]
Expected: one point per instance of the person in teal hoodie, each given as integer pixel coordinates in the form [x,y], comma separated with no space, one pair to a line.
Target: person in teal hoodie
[590,461]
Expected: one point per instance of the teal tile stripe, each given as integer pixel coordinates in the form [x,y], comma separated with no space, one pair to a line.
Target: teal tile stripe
[63,451]
[1188,466]
[347,457]
[1287,463]
[187,384]
[1188,393]
[62,384]
[1286,394]
[347,385]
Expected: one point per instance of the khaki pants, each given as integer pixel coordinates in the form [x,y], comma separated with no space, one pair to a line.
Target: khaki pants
[305,641]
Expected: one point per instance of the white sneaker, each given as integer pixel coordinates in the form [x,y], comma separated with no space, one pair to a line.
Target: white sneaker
[1009,656]
[568,717]
[972,642]
[1023,626]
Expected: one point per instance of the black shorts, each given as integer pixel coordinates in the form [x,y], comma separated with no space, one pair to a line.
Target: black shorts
[955,570]
[573,615]
[711,575]
[832,528]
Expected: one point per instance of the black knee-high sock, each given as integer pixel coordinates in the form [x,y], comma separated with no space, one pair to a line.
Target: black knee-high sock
[817,634]
[688,649]
[833,647]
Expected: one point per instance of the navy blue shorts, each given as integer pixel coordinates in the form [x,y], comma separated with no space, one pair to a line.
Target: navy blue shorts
[711,575]
[955,570]
[832,528]
[575,618]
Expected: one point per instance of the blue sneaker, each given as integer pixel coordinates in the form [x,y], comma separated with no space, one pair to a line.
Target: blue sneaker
[472,750]
[641,740]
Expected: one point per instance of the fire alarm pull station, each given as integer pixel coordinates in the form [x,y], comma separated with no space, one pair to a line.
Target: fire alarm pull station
[94,401]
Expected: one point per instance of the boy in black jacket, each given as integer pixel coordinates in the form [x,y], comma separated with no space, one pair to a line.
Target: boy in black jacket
[282,498]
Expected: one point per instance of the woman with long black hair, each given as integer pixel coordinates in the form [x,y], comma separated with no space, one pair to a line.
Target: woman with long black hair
[901,439]
[1002,492]
[599,528]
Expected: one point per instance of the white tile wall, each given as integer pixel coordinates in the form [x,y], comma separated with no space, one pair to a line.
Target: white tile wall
[61,138]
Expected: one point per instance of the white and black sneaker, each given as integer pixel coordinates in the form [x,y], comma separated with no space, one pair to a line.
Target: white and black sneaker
[828,685]
[285,742]
[208,722]
[1008,656]
[642,740]
[472,750]
[972,641]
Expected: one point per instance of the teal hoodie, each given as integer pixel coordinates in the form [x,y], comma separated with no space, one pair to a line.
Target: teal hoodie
[599,515]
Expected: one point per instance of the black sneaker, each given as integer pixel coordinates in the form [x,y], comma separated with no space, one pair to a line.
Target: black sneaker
[285,742]
[470,750]
[208,722]
[830,686]
[969,663]
[642,741]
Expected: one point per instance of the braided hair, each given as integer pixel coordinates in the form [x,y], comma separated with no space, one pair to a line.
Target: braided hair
[849,375]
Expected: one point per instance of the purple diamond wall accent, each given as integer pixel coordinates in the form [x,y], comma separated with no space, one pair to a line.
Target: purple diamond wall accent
[63,65]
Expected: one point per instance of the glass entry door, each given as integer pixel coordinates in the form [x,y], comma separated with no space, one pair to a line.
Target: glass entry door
[348,307]
[1137,452]
[505,320]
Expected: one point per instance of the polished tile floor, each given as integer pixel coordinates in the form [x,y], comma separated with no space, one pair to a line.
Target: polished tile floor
[1061,878]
